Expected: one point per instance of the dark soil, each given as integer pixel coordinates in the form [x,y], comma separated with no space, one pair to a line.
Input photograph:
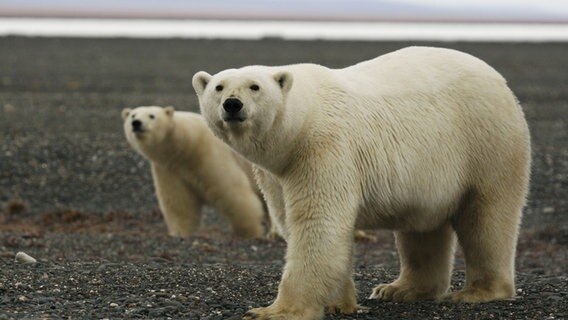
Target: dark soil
[77,198]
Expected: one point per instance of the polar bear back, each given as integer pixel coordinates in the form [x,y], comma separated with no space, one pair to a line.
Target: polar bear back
[409,71]
[417,69]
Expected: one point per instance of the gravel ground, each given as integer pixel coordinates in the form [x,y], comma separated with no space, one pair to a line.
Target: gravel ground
[77,198]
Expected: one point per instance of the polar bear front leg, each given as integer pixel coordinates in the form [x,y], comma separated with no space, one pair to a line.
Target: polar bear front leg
[346,301]
[243,209]
[320,222]
[244,212]
[425,266]
[180,206]
[274,197]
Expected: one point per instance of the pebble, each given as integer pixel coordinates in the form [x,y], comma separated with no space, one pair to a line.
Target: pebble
[160,312]
[556,298]
[548,210]
[70,141]
[173,303]
[113,305]
[23,257]
[8,108]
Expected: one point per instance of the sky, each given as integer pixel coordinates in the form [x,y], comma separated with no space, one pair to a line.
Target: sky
[551,5]
[387,10]
[545,6]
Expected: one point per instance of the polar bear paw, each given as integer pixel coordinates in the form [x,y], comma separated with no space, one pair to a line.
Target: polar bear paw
[271,313]
[477,295]
[401,293]
[347,309]
[264,314]
[342,308]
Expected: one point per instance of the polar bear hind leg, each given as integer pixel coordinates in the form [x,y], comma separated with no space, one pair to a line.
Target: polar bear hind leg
[487,231]
[244,213]
[425,266]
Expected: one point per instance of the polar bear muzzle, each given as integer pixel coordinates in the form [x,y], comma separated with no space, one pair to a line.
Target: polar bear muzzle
[137,126]
[233,110]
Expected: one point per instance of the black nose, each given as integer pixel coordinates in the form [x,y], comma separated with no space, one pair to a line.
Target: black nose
[136,124]
[232,105]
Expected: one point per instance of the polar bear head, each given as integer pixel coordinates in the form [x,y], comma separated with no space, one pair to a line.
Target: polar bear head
[147,127]
[244,101]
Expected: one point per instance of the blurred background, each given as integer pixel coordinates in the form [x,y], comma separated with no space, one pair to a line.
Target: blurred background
[490,20]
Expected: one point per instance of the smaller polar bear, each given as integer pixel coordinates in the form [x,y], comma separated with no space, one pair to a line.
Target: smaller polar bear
[428,142]
[191,168]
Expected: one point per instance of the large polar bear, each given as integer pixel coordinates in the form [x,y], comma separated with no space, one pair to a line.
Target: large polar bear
[428,142]
[191,168]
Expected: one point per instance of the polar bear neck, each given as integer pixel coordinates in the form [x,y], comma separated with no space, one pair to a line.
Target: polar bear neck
[272,151]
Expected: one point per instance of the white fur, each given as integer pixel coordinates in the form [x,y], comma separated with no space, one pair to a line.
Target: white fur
[428,142]
[192,168]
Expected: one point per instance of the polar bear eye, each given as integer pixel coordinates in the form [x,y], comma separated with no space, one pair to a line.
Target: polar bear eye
[219,87]
[254,87]
[152,116]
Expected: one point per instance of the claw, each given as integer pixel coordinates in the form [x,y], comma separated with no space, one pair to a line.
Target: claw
[364,237]
[374,295]
[362,309]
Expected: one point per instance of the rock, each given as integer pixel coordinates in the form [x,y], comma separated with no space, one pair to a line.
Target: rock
[548,210]
[554,297]
[8,108]
[22,257]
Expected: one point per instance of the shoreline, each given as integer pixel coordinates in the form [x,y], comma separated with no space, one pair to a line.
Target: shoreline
[286,30]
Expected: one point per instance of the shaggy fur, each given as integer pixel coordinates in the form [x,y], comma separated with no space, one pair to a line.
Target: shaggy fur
[428,142]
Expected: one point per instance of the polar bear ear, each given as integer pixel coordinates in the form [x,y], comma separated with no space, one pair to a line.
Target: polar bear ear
[285,80]
[169,111]
[125,113]
[200,81]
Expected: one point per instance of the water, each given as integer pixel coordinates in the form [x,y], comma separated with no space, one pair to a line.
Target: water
[369,31]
